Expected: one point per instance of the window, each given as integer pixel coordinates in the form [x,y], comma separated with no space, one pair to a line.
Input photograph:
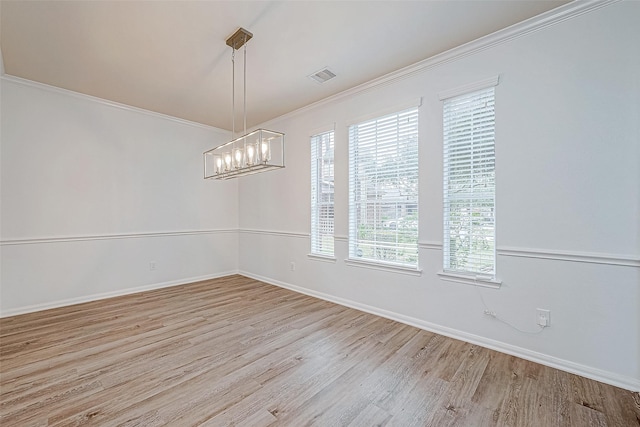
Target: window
[469,183]
[322,194]
[383,189]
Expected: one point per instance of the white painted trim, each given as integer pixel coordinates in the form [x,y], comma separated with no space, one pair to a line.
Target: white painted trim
[548,254]
[617,380]
[322,130]
[324,258]
[555,16]
[392,109]
[586,257]
[82,96]
[275,233]
[436,246]
[470,87]
[372,265]
[470,280]
[61,239]
[105,295]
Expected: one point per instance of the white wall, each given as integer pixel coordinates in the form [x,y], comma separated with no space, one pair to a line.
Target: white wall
[93,192]
[568,200]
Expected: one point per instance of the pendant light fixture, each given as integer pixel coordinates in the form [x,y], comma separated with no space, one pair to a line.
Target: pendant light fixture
[258,151]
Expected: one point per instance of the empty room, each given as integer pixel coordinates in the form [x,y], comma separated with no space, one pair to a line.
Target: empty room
[327,213]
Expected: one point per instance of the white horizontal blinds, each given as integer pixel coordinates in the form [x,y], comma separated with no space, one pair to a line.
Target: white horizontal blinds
[383,187]
[322,186]
[469,183]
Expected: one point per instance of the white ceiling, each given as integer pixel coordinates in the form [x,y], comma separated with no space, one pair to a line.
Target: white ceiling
[171,57]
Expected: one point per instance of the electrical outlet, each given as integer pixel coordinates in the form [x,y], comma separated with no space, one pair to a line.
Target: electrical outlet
[292,266]
[543,317]
[152,266]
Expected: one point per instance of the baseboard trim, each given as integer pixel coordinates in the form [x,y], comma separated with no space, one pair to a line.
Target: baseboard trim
[596,374]
[106,295]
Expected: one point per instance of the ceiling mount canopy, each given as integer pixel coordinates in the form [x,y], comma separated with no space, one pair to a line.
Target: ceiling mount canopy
[239,38]
[258,151]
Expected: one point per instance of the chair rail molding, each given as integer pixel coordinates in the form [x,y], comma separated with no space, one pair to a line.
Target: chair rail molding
[138,235]
[571,256]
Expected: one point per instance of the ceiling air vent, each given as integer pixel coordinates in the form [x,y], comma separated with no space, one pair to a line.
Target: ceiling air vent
[322,75]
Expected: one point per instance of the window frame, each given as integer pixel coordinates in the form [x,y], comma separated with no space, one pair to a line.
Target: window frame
[317,143]
[411,112]
[470,275]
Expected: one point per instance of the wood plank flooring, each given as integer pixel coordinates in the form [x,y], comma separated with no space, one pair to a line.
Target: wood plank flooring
[235,351]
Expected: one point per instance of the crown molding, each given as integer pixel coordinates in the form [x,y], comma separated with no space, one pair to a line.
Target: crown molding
[537,23]
[102,101]
[552,17]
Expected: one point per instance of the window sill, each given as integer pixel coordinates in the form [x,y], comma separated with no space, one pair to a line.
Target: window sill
[323,258]
[412,271]
[470,280]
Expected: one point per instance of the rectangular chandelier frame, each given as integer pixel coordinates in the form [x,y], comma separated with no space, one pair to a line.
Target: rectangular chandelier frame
[257,151]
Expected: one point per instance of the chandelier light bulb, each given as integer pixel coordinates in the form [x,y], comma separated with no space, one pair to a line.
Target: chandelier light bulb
[238,155]
[265,151]
[249,154]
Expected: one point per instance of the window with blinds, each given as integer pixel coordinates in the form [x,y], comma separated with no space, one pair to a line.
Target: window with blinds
[383,189]
[322,194]
[469,183]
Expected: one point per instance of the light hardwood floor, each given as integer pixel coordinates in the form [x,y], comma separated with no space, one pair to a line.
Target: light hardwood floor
[235,351]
